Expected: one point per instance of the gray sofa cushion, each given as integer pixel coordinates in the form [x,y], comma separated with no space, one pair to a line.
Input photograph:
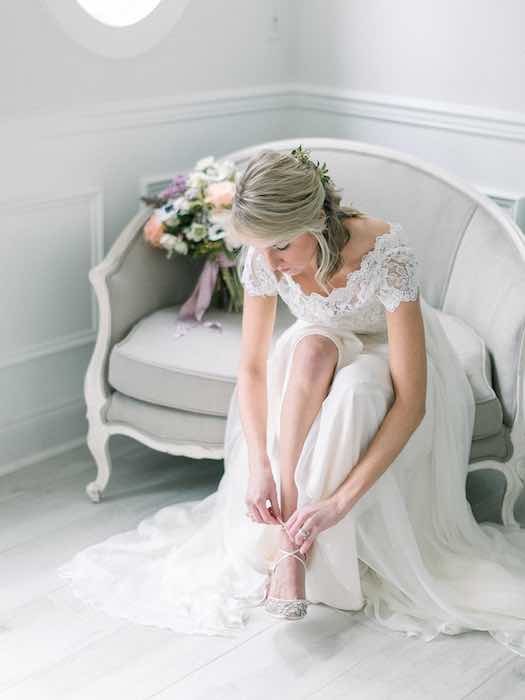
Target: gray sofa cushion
[198,371]
[195,372]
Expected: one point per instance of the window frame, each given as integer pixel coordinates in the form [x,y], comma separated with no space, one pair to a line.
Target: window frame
[112,41]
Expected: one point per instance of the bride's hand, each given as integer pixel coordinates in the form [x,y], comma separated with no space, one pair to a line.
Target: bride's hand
[314,517]
[261,488]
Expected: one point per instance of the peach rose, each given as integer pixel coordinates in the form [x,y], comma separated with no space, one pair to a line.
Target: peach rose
[220,194]
[154,230]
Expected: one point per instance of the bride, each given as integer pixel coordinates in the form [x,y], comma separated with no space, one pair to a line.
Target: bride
[346,447]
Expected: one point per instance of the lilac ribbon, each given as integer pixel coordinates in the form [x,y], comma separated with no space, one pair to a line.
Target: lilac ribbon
[191,312]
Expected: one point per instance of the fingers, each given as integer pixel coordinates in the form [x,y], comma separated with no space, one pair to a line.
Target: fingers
[304,543]
[296,521]
[267,512]
[252,512]
[274,506]
[291,520]
[265,515]
[303,522]
[307,543]
[274,519]
[261,514]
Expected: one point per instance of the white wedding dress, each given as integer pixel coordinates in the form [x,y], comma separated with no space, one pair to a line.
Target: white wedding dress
[409,554]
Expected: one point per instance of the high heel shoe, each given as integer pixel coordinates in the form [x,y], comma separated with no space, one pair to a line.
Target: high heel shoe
[286,608]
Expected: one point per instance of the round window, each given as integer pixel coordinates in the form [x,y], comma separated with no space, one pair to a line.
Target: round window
[119,13]
[117,28]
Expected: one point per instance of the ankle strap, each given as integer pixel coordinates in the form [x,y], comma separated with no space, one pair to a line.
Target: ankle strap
[288,553]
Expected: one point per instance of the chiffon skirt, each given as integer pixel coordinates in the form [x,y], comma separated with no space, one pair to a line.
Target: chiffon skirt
[409,555]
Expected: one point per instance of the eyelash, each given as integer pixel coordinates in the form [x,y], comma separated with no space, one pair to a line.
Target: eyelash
[285,247]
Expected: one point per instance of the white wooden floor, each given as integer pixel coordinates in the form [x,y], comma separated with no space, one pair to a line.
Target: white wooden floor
[52,646]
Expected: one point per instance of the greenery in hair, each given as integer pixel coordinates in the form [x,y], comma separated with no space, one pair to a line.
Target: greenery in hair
[303,156]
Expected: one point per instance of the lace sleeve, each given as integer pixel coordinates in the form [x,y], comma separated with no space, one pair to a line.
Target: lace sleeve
[398,278]
[257,278]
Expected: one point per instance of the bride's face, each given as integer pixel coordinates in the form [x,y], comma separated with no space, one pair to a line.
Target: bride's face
[293,257]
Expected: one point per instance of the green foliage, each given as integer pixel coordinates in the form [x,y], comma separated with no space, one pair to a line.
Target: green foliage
[303,156]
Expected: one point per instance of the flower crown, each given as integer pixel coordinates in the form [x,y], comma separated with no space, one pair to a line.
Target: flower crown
[303,157]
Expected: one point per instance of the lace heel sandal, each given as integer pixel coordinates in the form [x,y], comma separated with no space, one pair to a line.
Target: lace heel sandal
[286,608]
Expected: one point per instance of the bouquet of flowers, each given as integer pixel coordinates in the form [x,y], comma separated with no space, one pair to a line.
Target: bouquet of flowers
[190,218]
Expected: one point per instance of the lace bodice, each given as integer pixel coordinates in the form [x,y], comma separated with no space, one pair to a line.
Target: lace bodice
[388,274]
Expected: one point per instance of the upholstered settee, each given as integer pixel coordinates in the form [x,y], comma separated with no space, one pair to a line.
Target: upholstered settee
[172,394]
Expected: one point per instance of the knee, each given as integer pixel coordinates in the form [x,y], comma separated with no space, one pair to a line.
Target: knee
[316,356]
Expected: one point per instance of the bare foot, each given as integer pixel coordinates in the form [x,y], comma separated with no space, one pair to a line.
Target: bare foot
[288,579]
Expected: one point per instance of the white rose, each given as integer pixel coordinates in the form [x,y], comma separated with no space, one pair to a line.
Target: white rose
[168,241]
[197,180]
[191,193]
[204,163]
[196,232]
[181,247]
[226,169]
[214,175]
[174,244]
[182,204]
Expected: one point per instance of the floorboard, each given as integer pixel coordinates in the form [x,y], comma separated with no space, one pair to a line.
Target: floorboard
[52,646]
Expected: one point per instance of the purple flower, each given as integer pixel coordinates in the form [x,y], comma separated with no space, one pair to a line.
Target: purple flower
[176,187]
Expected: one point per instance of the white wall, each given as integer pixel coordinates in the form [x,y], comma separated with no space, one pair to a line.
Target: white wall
[78,132]
[461,51]
[441,80]
[214,46]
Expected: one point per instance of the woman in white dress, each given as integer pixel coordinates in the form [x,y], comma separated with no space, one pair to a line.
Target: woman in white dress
[346,447]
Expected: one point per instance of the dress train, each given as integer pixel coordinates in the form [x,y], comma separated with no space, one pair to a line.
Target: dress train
[410,554]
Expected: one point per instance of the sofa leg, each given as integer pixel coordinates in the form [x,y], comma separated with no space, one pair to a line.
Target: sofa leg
[515,475]
[98,443]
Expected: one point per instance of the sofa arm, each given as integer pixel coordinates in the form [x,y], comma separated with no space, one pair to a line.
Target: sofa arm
[133,280]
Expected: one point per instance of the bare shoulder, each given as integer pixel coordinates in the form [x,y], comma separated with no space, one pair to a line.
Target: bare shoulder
[369,227]
[364,232]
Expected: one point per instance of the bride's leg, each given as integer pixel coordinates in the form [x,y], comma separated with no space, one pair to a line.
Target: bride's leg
[311,373]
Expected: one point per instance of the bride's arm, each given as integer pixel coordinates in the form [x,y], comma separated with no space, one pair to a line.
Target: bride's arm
[408,369]
[258,320]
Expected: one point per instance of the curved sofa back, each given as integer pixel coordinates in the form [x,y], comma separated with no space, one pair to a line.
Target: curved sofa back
[472,255]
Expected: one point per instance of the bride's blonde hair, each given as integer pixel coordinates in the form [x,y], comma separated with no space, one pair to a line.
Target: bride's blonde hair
[280,196]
